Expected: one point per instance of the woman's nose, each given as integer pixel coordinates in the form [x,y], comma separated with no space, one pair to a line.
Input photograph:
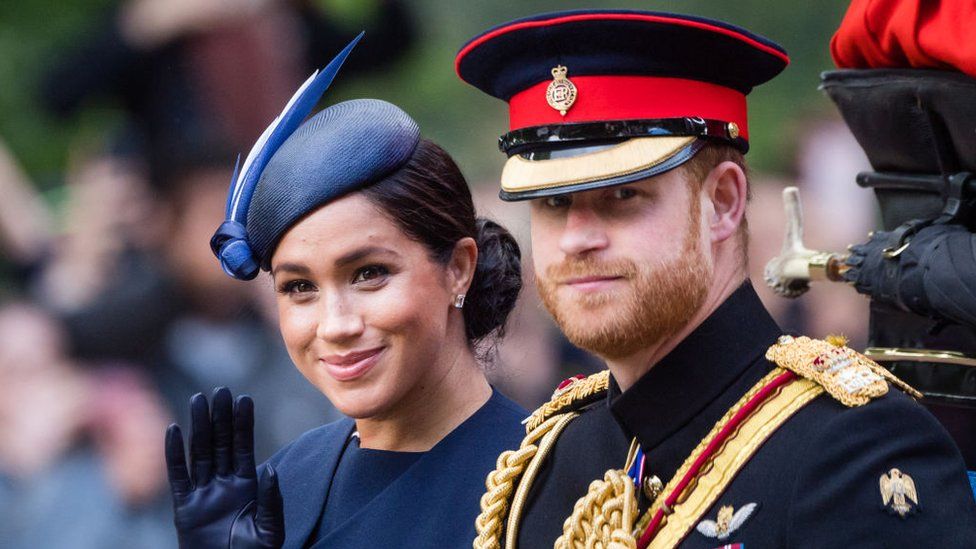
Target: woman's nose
[338,323]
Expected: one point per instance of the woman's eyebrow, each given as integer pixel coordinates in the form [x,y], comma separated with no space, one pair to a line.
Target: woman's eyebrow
[361,253]
[295,268]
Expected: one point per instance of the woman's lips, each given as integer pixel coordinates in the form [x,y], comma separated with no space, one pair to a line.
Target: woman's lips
[350,366]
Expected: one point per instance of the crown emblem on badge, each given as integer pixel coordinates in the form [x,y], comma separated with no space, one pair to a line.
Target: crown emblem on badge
[561,93]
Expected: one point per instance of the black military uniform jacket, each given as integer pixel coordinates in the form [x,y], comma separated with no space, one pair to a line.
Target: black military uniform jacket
[816,482]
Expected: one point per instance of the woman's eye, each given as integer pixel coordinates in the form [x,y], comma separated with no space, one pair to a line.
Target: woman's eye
[623,193]
[297,287]
[370,273]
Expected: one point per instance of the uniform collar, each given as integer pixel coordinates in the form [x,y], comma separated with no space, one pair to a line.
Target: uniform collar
[697,371]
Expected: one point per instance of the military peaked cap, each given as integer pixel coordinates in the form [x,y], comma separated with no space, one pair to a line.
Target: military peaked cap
[605,97]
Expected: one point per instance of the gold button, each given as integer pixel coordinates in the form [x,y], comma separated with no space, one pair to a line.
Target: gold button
[733,129]
[653,487]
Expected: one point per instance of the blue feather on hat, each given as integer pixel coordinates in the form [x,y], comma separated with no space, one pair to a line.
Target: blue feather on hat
[229,243]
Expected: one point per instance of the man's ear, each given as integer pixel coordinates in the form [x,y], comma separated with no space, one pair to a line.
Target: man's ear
[727,189]
[462,265]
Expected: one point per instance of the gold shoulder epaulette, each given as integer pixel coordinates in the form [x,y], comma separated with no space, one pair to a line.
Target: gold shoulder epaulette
[572,394]
[845,374]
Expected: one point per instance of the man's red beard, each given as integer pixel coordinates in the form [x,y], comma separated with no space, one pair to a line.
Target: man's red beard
[654,303]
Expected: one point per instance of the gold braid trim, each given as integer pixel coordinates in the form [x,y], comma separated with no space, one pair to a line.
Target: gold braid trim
[501,483]
[525,484]
[604,517]
[683,470]
[508,485]
[574,395]
[728,461]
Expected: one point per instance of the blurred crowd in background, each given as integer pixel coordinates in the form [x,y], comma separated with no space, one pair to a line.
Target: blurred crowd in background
[118,134]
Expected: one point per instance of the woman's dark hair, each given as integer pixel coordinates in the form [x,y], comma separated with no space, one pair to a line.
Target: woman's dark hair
[429,199]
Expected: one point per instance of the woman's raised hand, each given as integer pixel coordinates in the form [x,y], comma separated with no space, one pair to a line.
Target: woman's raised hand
[221,502]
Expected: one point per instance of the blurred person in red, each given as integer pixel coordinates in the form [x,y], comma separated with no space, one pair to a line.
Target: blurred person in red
[919,34]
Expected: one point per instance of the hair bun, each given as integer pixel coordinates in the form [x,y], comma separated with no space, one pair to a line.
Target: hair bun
[497,281]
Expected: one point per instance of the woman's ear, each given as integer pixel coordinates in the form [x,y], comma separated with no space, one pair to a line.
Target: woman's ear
[727,189]
[462,265]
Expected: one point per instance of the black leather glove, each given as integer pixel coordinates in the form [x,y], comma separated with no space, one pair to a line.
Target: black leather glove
[935,275]
[871,273]
[221,503]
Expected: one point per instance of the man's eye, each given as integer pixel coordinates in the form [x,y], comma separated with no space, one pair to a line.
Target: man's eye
[296,287]
[623,193]
[560,201]
[370,273]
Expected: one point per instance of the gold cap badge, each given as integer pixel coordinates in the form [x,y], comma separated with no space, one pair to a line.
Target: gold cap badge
[561,93]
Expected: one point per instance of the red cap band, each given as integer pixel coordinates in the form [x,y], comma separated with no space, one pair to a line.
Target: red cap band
[630,98]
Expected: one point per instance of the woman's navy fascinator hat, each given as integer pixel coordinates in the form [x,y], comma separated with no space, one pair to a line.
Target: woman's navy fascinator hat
[295,168]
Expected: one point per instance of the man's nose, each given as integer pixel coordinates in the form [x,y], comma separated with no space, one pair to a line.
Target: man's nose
[583,232]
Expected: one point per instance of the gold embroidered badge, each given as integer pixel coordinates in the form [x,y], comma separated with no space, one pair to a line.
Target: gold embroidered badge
[561,93]
[727,521]
[897,490]
[847,375]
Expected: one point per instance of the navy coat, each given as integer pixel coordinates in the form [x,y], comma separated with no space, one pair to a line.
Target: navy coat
[433,504]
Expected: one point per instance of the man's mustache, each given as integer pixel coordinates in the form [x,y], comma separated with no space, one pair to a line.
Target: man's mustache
[582,268]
